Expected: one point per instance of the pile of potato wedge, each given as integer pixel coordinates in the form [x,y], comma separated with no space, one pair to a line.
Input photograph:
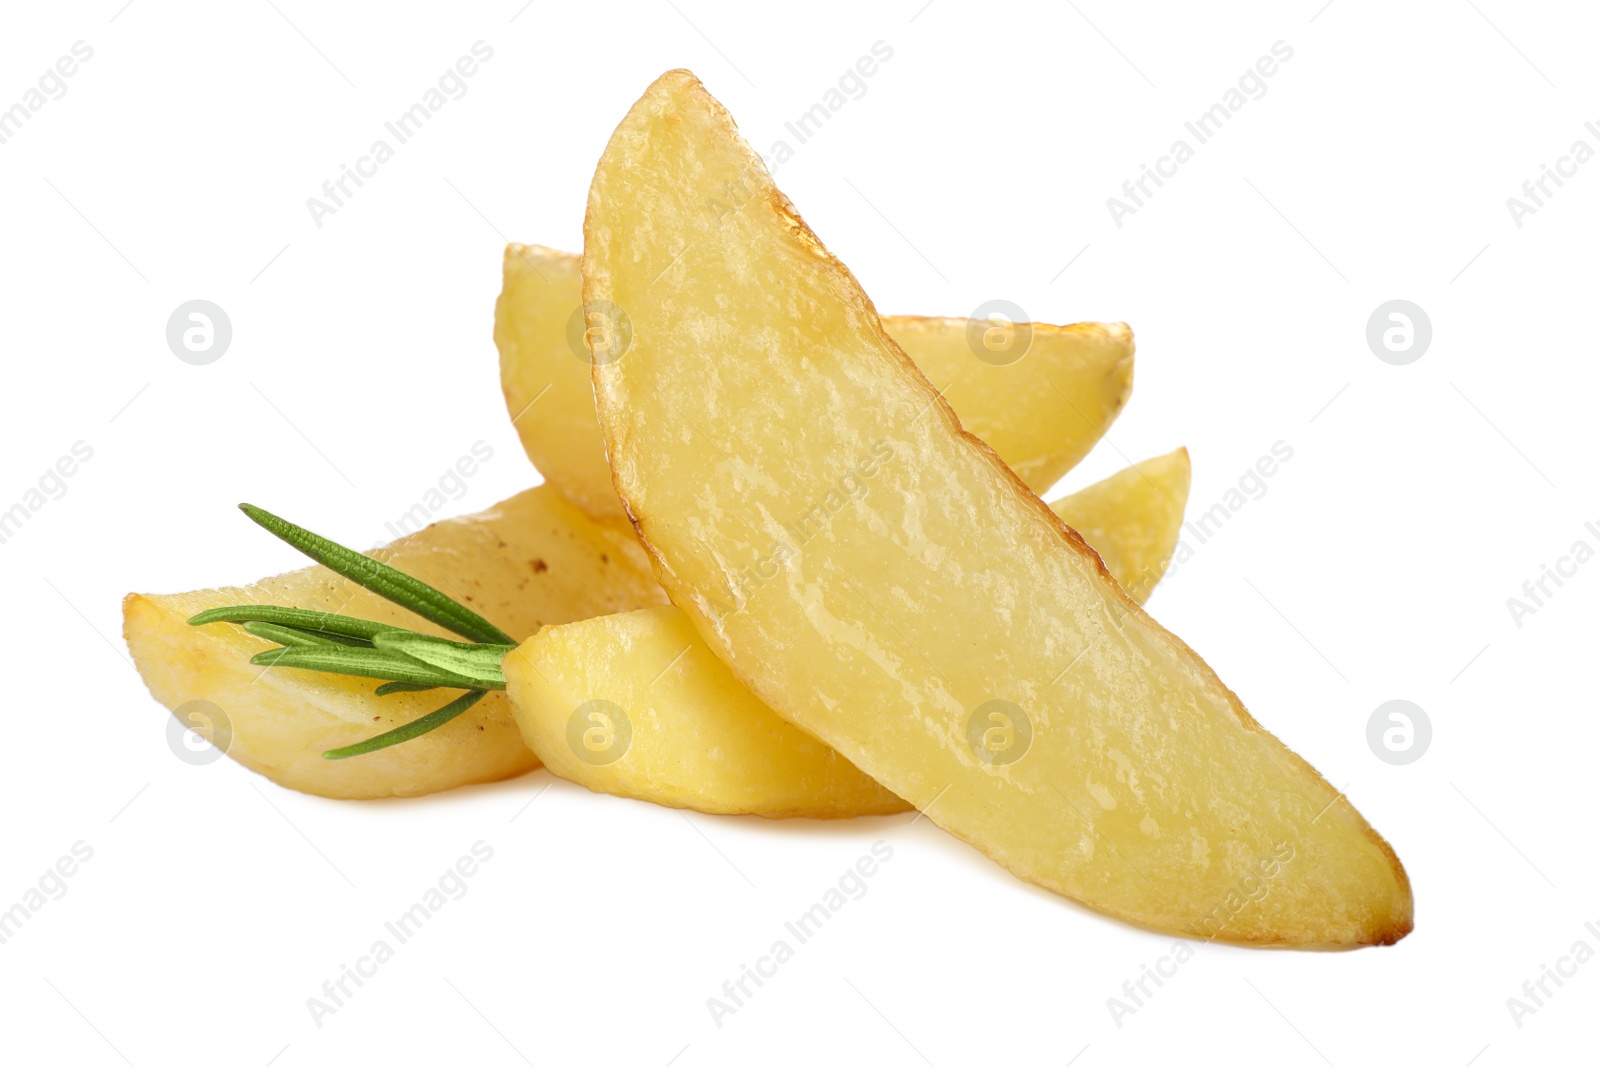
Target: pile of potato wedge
[788,560]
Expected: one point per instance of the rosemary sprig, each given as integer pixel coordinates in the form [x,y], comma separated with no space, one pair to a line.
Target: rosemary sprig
[294,637]
[416,728]
[371,663]
[401,687]
[323,623]
[480,663]
[407,661]
[393,585]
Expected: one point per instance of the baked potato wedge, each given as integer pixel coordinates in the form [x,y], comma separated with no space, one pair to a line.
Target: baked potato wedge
[636,705]
[531,560]
[1041,407]
[942,628]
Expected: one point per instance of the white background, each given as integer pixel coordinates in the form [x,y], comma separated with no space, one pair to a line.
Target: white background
[1377,565]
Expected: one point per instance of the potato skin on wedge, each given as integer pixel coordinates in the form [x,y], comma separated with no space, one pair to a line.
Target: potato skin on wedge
[528,561]
[945,630]
[1041,411]
[637,706]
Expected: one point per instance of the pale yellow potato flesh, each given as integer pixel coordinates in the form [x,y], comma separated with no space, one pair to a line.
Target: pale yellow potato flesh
[695,737]
[636,705]
[529,561]
[1042,412]
[1120,771]
[546,384]
[1133,519]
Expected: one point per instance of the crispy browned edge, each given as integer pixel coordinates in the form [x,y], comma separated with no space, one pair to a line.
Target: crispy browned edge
[924,321]
[806,238]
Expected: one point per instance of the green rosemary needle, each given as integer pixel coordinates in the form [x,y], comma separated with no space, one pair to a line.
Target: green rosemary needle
[401,687]
[416,728]
[478,662]
[393,585]
[371,663]
[294,637]
[321,623]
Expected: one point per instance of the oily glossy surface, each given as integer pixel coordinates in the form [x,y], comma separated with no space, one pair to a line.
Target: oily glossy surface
[530,560]
[1118,770]
[1042,410]
[1133,519]
[637,706]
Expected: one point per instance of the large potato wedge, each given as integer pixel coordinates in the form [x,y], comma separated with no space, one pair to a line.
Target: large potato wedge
[942,629]
[1041,411]
[530,560]
[676,727]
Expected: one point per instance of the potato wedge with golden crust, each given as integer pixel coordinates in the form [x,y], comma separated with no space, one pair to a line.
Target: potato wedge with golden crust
[1133,519]
[637,706]
[943,629]
[1041,403]
[530,560]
